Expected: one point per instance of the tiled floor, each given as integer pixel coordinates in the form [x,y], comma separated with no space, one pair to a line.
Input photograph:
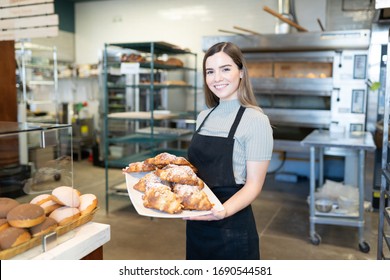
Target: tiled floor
[281,213]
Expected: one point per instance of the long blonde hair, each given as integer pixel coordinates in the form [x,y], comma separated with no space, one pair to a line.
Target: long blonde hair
[246,96]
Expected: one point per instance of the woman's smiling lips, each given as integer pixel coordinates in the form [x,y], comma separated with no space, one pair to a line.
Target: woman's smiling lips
[220,86]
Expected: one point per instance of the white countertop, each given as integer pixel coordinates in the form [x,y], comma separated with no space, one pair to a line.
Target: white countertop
[73,245]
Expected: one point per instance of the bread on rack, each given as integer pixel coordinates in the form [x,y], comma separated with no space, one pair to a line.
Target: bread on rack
[133,57]
[174,61]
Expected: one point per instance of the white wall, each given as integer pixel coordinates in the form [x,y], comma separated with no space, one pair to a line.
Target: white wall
[64,43]
[180,22]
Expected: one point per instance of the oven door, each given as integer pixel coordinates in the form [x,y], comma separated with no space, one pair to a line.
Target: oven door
[295,91]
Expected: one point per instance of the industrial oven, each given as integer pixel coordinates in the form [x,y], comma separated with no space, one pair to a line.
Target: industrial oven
[305,81]
[308,80]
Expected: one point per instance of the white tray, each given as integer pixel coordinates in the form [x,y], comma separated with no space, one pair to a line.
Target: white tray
[136,200]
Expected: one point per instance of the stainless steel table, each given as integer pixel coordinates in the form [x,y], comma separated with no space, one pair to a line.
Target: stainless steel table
[358,142]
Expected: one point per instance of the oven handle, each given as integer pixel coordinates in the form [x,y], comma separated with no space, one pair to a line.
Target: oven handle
[338,94]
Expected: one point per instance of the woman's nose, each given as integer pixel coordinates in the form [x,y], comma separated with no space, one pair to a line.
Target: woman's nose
[218,76]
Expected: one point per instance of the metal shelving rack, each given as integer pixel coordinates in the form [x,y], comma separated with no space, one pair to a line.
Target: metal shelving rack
[384,210]
[26,53]
[135,117]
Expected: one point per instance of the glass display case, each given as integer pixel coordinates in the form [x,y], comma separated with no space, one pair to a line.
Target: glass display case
[34,161]
[34,158]
[40,206]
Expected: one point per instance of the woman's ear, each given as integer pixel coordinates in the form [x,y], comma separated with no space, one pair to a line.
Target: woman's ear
[241,74]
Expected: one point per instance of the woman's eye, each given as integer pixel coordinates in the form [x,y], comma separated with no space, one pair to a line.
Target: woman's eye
[227,69]
[209,72]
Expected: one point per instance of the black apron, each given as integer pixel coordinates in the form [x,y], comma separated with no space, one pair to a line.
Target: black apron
[234,237]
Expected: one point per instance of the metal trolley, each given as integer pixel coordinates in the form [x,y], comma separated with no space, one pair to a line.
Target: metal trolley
[355,142]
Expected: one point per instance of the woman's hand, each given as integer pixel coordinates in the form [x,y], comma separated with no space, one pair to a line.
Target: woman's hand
[214,216]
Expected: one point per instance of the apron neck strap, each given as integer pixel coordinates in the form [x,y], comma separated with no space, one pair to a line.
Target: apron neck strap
[236,122]
[206,118]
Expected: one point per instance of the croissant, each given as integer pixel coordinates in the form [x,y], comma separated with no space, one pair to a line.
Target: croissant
[146,181]
[192,198]
[180,174]
[139,166]
[160,197]
[163,159]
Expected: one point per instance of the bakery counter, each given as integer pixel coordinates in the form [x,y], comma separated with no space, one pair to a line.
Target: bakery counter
[84,242]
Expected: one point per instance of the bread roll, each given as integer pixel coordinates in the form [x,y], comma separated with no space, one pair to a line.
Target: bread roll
[3,224]
[88,203]
[13,236]
[40,199]
[65,215]
[48,225]
[26,215]
[46,202]
[6,204]
[66,196]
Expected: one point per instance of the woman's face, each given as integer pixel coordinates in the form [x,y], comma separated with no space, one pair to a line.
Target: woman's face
[222,76]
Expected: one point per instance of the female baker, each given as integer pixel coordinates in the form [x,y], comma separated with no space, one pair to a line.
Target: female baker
[231,149]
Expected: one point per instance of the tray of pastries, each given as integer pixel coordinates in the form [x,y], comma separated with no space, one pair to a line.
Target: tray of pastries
[166,186]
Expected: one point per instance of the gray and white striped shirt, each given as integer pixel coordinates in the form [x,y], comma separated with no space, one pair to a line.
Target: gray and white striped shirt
[253,138]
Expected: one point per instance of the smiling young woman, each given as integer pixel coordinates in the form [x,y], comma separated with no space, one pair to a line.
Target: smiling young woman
[231,149]
[223,76]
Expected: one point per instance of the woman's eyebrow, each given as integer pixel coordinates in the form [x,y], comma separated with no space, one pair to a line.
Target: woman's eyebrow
[222,66]
[226,65]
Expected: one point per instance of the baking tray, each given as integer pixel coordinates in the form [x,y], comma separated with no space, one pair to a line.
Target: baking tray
[136,200]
